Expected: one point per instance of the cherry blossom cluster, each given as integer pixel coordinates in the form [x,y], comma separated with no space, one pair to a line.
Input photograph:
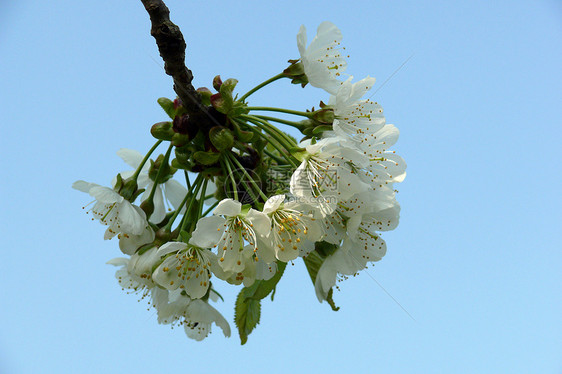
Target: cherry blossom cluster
[252,198]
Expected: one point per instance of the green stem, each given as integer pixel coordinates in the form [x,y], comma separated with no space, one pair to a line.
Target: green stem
[226,165]
[256,187]
[278,159]
[281,138]
[204,214]
[281,151]
[270,80]
[160,171]
[281,110]
[197,185]
[200,201]
[145,159]
[188,195]
[296,125]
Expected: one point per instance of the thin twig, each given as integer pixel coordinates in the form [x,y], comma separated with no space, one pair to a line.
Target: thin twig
[171,45]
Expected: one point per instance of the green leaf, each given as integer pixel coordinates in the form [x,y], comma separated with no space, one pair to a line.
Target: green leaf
[314,261]
[168,106]
[246,316]
[248,303]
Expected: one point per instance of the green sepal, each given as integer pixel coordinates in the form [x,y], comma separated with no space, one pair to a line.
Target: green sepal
[206,158]
[168,106]
[243,136]
[320,129]
[128,189]
[294,70]
[143,248]
[155,166]
[137,194]
[118,182]
[148,207]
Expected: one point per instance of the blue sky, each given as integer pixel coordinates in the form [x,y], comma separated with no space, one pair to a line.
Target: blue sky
[475,260]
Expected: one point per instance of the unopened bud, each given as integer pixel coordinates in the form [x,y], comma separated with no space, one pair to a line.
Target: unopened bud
[217,82]
[162,130]
[221,138]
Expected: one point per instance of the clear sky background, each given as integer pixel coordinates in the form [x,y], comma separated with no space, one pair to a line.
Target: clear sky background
[475,260]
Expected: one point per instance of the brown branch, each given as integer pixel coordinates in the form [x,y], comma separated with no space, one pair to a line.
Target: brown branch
[172,49]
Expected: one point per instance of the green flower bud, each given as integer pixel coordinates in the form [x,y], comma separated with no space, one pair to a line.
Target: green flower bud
[168,106]
[217,82]
[221,137]
[162,131]
[179,140]
[324,116]
[206,158]
[205,95]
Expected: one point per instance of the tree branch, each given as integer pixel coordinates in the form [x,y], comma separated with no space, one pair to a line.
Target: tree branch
[171,45]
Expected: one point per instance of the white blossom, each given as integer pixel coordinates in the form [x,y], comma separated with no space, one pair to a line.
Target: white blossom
[186,267]
[229,229]
[328,174]
[322,59]
[171,189]
[113,210]
[293,232]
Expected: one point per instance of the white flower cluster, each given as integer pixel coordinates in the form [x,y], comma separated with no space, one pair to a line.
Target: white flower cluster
[339,193]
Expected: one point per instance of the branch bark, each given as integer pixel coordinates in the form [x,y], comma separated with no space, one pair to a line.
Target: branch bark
[171,45]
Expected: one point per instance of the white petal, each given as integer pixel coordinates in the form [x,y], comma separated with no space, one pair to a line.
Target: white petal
[301,40]
[228,207]
[260,221]
[171,247]
[118,261]
[105,195]
[132,220]
[175,192]
[83,186]
[208,232]
[131,157]
[159,208]
[273,203]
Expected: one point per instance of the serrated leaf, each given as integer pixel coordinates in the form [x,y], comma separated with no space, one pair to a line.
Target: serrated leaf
[246,316]
[313,261]
[248,303]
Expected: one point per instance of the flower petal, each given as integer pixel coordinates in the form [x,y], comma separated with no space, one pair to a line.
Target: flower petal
[228,207]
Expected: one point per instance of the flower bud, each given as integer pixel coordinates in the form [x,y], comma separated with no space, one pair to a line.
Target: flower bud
[221,138]
[162,130]
[206,158]
[205,95]
[168,106]
[324,116]
[217,82]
